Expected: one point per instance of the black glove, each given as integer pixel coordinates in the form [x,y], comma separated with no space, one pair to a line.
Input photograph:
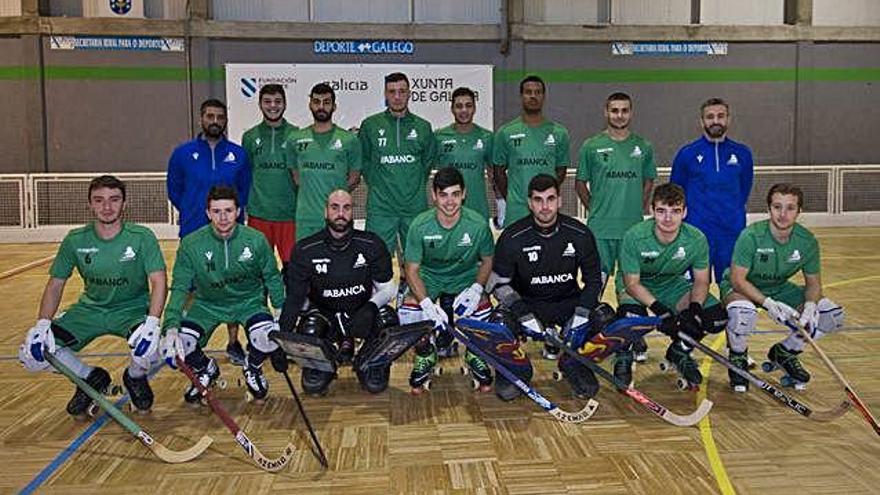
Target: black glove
[361,322]
[691,321]
[287,320]
[279,360]
[668,323]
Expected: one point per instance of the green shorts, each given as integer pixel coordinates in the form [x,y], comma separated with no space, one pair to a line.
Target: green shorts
[389,229]
[609,250]
[786,292]
[207,317]
[80,324]
[669,294]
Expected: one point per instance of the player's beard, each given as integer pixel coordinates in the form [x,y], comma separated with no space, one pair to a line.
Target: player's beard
[322,116]
[213,131]
[339,225]
[715,131]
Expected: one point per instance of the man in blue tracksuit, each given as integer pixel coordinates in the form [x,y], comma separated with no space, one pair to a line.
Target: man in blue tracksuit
[208,160]
[716,174]
[198,165]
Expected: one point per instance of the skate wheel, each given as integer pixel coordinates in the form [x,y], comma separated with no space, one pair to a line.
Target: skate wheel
[464,371]
[800,386]
[438,371]
[484,389]
[740,389]
[786,381]
[664,366]
[116,390]
[557,376]
[248,396]
[682,384]
[93,410]
[221,383]
[767,366]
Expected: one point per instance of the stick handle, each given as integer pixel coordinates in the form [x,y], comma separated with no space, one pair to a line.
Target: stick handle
[321,457]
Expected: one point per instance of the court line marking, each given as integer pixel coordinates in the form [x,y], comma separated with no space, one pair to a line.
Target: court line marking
[706,427]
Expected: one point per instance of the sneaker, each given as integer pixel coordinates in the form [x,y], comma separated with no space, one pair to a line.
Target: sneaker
[79,404]
[235,353]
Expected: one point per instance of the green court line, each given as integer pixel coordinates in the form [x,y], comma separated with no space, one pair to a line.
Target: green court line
[571,76]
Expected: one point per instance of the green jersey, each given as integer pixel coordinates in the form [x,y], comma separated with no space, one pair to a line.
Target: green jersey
[770,263]
[616,171]
[448,258]
[226,273]
[397,158]
[659,265]
[114,271]
[273,193]
[525,152]
[470,153]
[323,162]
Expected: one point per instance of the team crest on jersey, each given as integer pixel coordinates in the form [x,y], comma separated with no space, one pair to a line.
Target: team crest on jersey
[337,145]
[479,144]
[795,256]
[465,240]
[381,132]
[258,141]
[246,254]
[569,250]
[230,157]
[732,160]
[412,135]
[550,141]
[120,7]
[128,254]
[679,253]
[699,158]
[195,156]
[209,255]
[360,261]
[636,152]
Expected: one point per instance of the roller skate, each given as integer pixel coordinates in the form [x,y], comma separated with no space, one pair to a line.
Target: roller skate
[579,377]
[741,361]
[81,404]
[140,392]
[480,372]
[623,366]
[795,375]
[424,367]
[255,383]
[679,359]
[209,377]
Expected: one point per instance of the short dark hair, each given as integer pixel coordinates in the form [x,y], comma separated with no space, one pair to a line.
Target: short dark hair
[447,177]
[532,78]
[323,89]
[541,183]
[618,96]
[212,103]
[712,102]
[108,181]
[669,194]
[463,91]
[222,191]
[396,77]
[786,188]
[273,89]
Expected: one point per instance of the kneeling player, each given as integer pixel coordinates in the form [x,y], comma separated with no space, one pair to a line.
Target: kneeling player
[119,263]
[448,260]
[343,277]
[664,266]
[537,260]
[230,266]
[767,254]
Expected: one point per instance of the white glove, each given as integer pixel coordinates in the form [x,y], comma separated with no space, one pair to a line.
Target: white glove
[780,312]
[258,336]
[467,301]
[171,346]
[809,316]
[39,340]
[581,317]
[433,312]
[144,343]
[531,327]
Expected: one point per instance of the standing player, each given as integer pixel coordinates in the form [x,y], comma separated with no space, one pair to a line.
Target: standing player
[343,278]
[448,256]
[767,254]
[271,205]
[468,148]
[716,175]
[198,165]
[615,176]
[535,275]
[124,277]
[231,267]
[527,146]
[664,266]
[325,158]
[398,151]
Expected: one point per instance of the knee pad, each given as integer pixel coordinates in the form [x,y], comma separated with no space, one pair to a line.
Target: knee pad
[258,329]
[831,315]
[631,310]
[742,318]
[715,318]
[409,313]
[313,322]
[386,317]
[190,334]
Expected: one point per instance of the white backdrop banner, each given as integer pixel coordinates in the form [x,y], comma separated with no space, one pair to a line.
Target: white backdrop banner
[359,91]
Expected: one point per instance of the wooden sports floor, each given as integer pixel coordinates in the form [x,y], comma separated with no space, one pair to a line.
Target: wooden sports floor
[453,440]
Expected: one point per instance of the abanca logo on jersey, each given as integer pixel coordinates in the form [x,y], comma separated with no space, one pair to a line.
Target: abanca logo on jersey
[344,292]
[396,159]
[560,278]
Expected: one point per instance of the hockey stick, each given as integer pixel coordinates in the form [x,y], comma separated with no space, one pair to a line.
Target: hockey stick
[321,457]
[161,451]
[854,399]
[552,336]
[271,465]
[769,389]
[554,409]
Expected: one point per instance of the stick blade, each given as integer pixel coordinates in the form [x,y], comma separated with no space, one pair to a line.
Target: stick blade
[179,456]
[272,465]
[577,417]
